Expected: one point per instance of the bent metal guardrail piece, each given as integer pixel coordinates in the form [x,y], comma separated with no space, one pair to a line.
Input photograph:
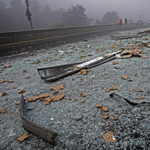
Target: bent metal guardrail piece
[128,101]
[36,129]
[57,72]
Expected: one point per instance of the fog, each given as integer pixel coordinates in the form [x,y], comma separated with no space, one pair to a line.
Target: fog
[132,9]
[94,9]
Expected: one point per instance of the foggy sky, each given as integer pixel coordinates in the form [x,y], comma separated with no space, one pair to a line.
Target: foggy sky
[131,9]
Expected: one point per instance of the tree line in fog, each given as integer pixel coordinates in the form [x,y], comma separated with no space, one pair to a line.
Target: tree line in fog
[13,18]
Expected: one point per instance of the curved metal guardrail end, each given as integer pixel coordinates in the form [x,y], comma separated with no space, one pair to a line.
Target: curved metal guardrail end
[45,134]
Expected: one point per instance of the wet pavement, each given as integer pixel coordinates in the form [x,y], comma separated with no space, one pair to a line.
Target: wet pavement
[80,123]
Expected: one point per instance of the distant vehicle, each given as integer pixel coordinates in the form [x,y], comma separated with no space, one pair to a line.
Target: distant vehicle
[139,22]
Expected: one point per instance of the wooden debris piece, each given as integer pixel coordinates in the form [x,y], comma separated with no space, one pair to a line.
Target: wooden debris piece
[98,105]
[145,57]
[146,39]
[106,77]
[105,116]
[58,97]
[57,87]
[83,95]
[2,81]
[139,97]
[37,97]
[127,56]
[109,137]
[62,93]
[112,88]
[17,103]
[9,66]
[125,77]
[138,90]
[3,111]
[4,93]
[114,46]
[105,108]
[83,101]
[23,137]
[21,92]
[114,63]
[83,72]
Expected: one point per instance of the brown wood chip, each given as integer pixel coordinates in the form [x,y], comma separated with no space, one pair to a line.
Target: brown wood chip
[109,137]
[4,93]
[23,137]
[21,92]
[125,77]
[105,116]
[83,95]
[62,93]
[3,111]
[17,103]
[58,97]
[57,87]
[105,108]
[127,56]
[37,97]
[83,72]
[145,57]
[2,81]
[139,97]
[112,88]
[98,105]
[114,63]
[138,90]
